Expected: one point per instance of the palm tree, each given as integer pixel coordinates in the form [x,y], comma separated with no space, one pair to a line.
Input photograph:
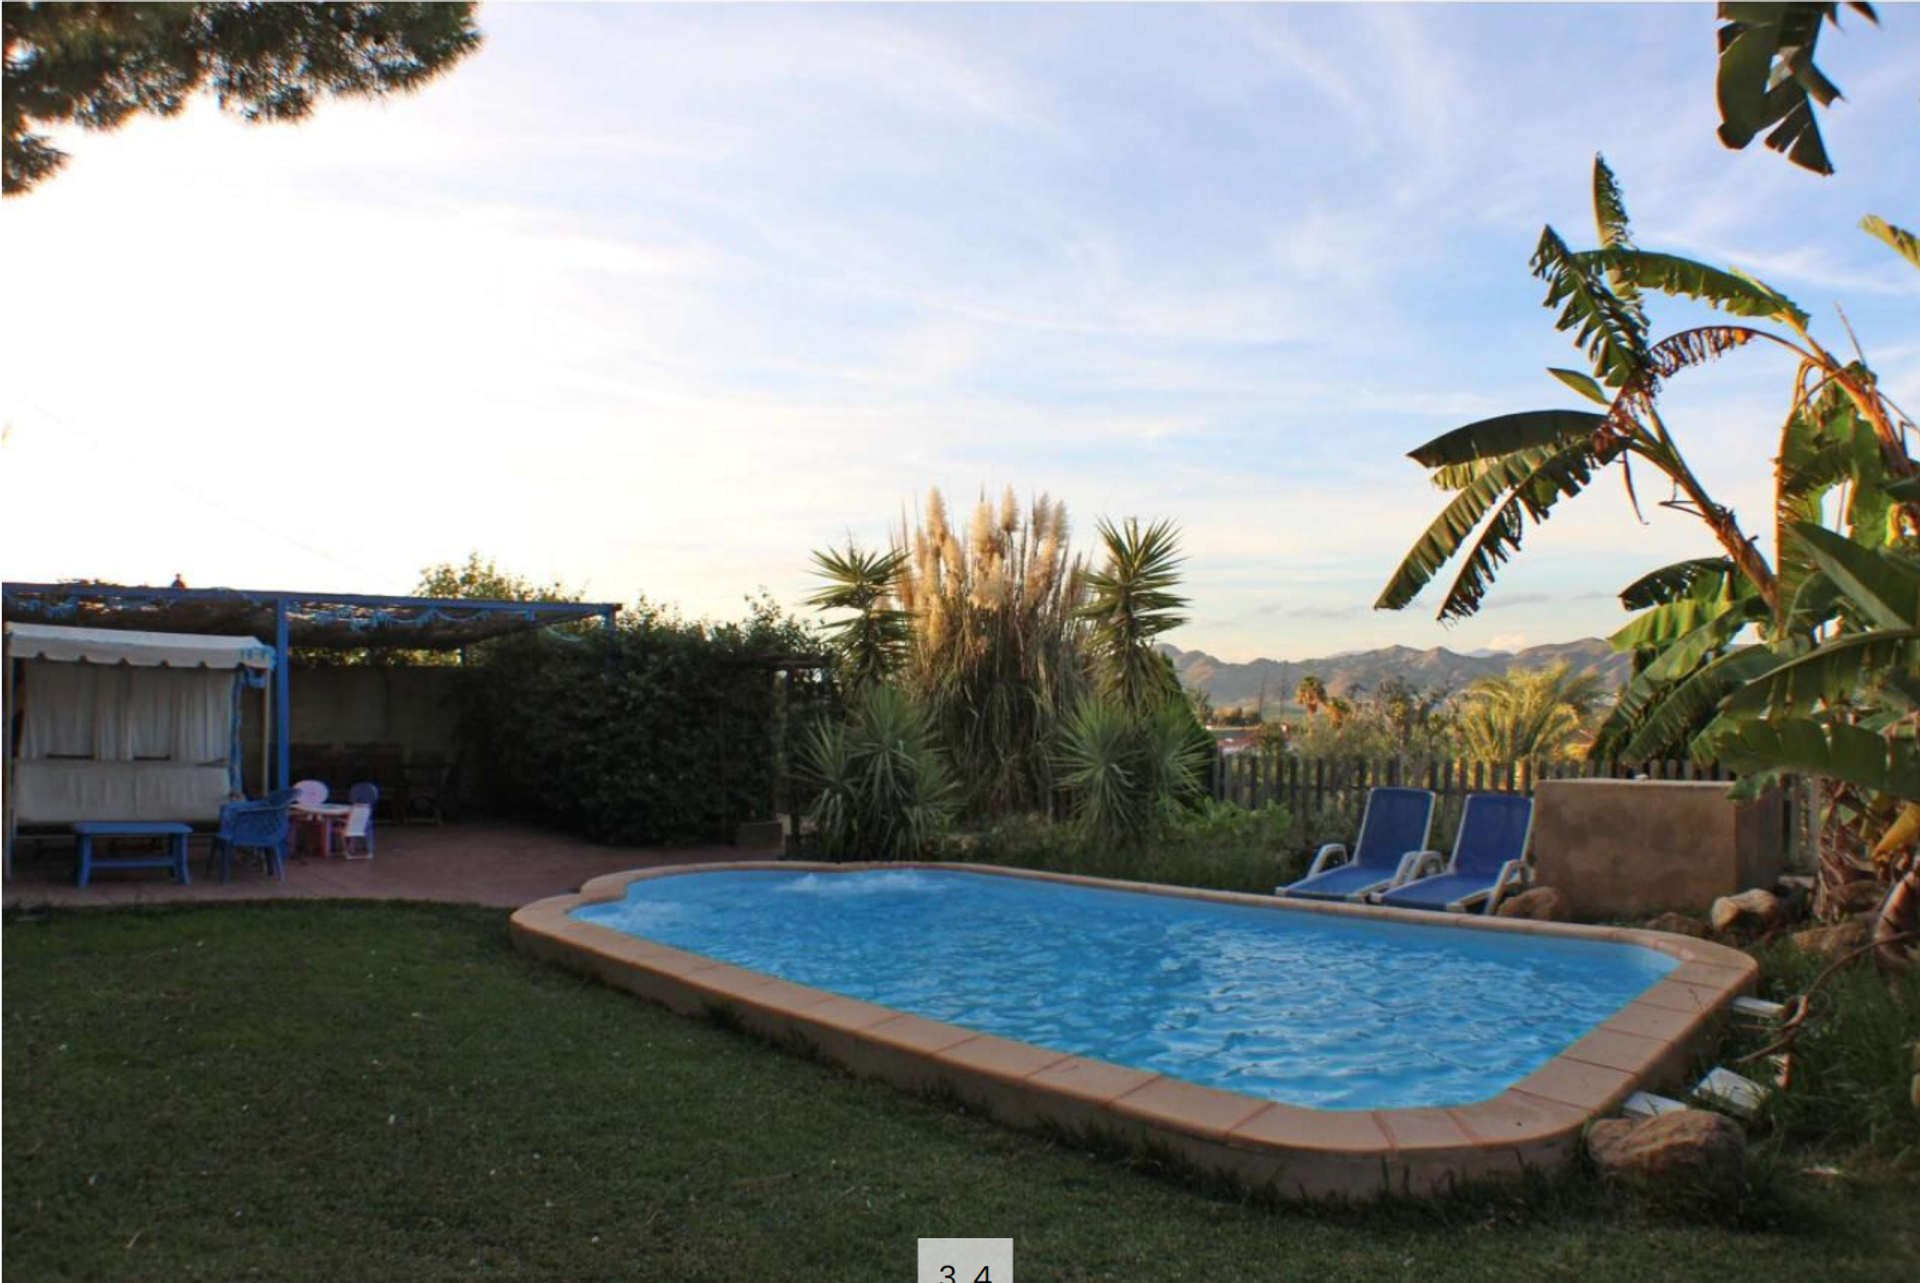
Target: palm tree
[1130,602]
[1311,694]
[1526,714]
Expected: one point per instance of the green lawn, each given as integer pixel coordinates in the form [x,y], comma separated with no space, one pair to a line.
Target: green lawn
[367,1092]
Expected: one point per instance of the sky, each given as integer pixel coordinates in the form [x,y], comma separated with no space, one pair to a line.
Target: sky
[655,299]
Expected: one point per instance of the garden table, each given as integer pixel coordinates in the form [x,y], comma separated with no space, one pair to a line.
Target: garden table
[326,816]
[175,858]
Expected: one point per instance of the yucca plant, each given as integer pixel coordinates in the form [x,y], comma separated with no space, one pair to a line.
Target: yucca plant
[1130,602]
[1130,773]
[871,641]
[884,791]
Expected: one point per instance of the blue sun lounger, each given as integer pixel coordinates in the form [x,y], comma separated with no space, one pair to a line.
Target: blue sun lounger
[1489,859]
[1394,827]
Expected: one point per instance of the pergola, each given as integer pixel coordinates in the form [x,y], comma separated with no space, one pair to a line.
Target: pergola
[333,621]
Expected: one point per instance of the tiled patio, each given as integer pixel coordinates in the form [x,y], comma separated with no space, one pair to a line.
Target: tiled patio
[472,863]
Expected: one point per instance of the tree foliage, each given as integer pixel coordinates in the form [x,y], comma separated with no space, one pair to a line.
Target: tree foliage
[98,65]
[1768,81]
[1526,715]
[667,730]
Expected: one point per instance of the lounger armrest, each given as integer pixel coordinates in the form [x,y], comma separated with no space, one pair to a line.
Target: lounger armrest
[1326,859]
[1513,875]
[1419,864]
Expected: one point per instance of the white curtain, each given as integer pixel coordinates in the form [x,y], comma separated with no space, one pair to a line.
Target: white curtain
[124,714]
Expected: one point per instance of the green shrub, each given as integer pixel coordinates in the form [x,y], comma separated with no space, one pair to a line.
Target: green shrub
[1217,845]
[883,790]
[668,730]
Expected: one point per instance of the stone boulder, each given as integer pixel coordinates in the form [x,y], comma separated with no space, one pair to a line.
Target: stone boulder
[1679,924]
[1832,941]
[1542,904]
[1754,910]
[1685,1148]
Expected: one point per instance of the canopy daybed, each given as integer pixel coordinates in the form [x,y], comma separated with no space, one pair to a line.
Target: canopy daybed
[119,725]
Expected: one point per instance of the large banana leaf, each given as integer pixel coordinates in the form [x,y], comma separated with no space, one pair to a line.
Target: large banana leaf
[1842,669]
[1487,439]
[1883,587]
[1560,475]
[1904,242]
[1611,330]
[1669,583]
[1768,79]
[1836,751]
[1660,626]
[1457,522]
[1732,292]
[1659,716]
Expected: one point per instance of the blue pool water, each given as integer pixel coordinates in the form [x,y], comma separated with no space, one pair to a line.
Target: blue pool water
[1310,1009]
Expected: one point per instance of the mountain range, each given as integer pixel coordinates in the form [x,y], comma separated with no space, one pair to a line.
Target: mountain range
[1231,685]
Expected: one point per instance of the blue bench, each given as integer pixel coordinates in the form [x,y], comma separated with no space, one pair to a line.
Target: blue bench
[175,857]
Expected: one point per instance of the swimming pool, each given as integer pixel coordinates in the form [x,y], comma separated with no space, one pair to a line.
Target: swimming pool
[1331,1013]
[1328,1048]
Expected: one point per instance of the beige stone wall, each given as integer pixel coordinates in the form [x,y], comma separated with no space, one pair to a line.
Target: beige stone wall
[1625,847]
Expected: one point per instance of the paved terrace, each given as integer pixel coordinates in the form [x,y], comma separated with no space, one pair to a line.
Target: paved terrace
[490,863]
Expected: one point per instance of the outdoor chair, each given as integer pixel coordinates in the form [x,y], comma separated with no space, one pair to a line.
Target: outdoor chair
[357,827]
[262,828]
[1393,829]
[1489,859]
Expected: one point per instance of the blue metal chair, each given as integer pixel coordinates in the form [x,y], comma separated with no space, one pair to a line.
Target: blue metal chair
[264,828]
[1393,829]
[1489,859]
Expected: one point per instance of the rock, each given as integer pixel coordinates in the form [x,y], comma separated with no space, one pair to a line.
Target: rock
[1542,904]
[1679,924]
[1750,910]
[1830,942]
[1687,1146]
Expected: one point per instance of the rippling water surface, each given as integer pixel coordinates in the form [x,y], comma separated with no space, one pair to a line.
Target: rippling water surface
[1289,1006]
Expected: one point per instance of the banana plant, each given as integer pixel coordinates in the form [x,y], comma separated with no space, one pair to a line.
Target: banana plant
[1844,709]
[1842,451]
[1510,472]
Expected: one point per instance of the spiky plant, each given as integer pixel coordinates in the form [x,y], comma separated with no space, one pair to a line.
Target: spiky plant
[1130,602]
[872,640]
[883,788]
[1129,773]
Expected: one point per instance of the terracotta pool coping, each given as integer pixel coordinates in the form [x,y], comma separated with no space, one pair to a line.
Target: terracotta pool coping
[1297,1151]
